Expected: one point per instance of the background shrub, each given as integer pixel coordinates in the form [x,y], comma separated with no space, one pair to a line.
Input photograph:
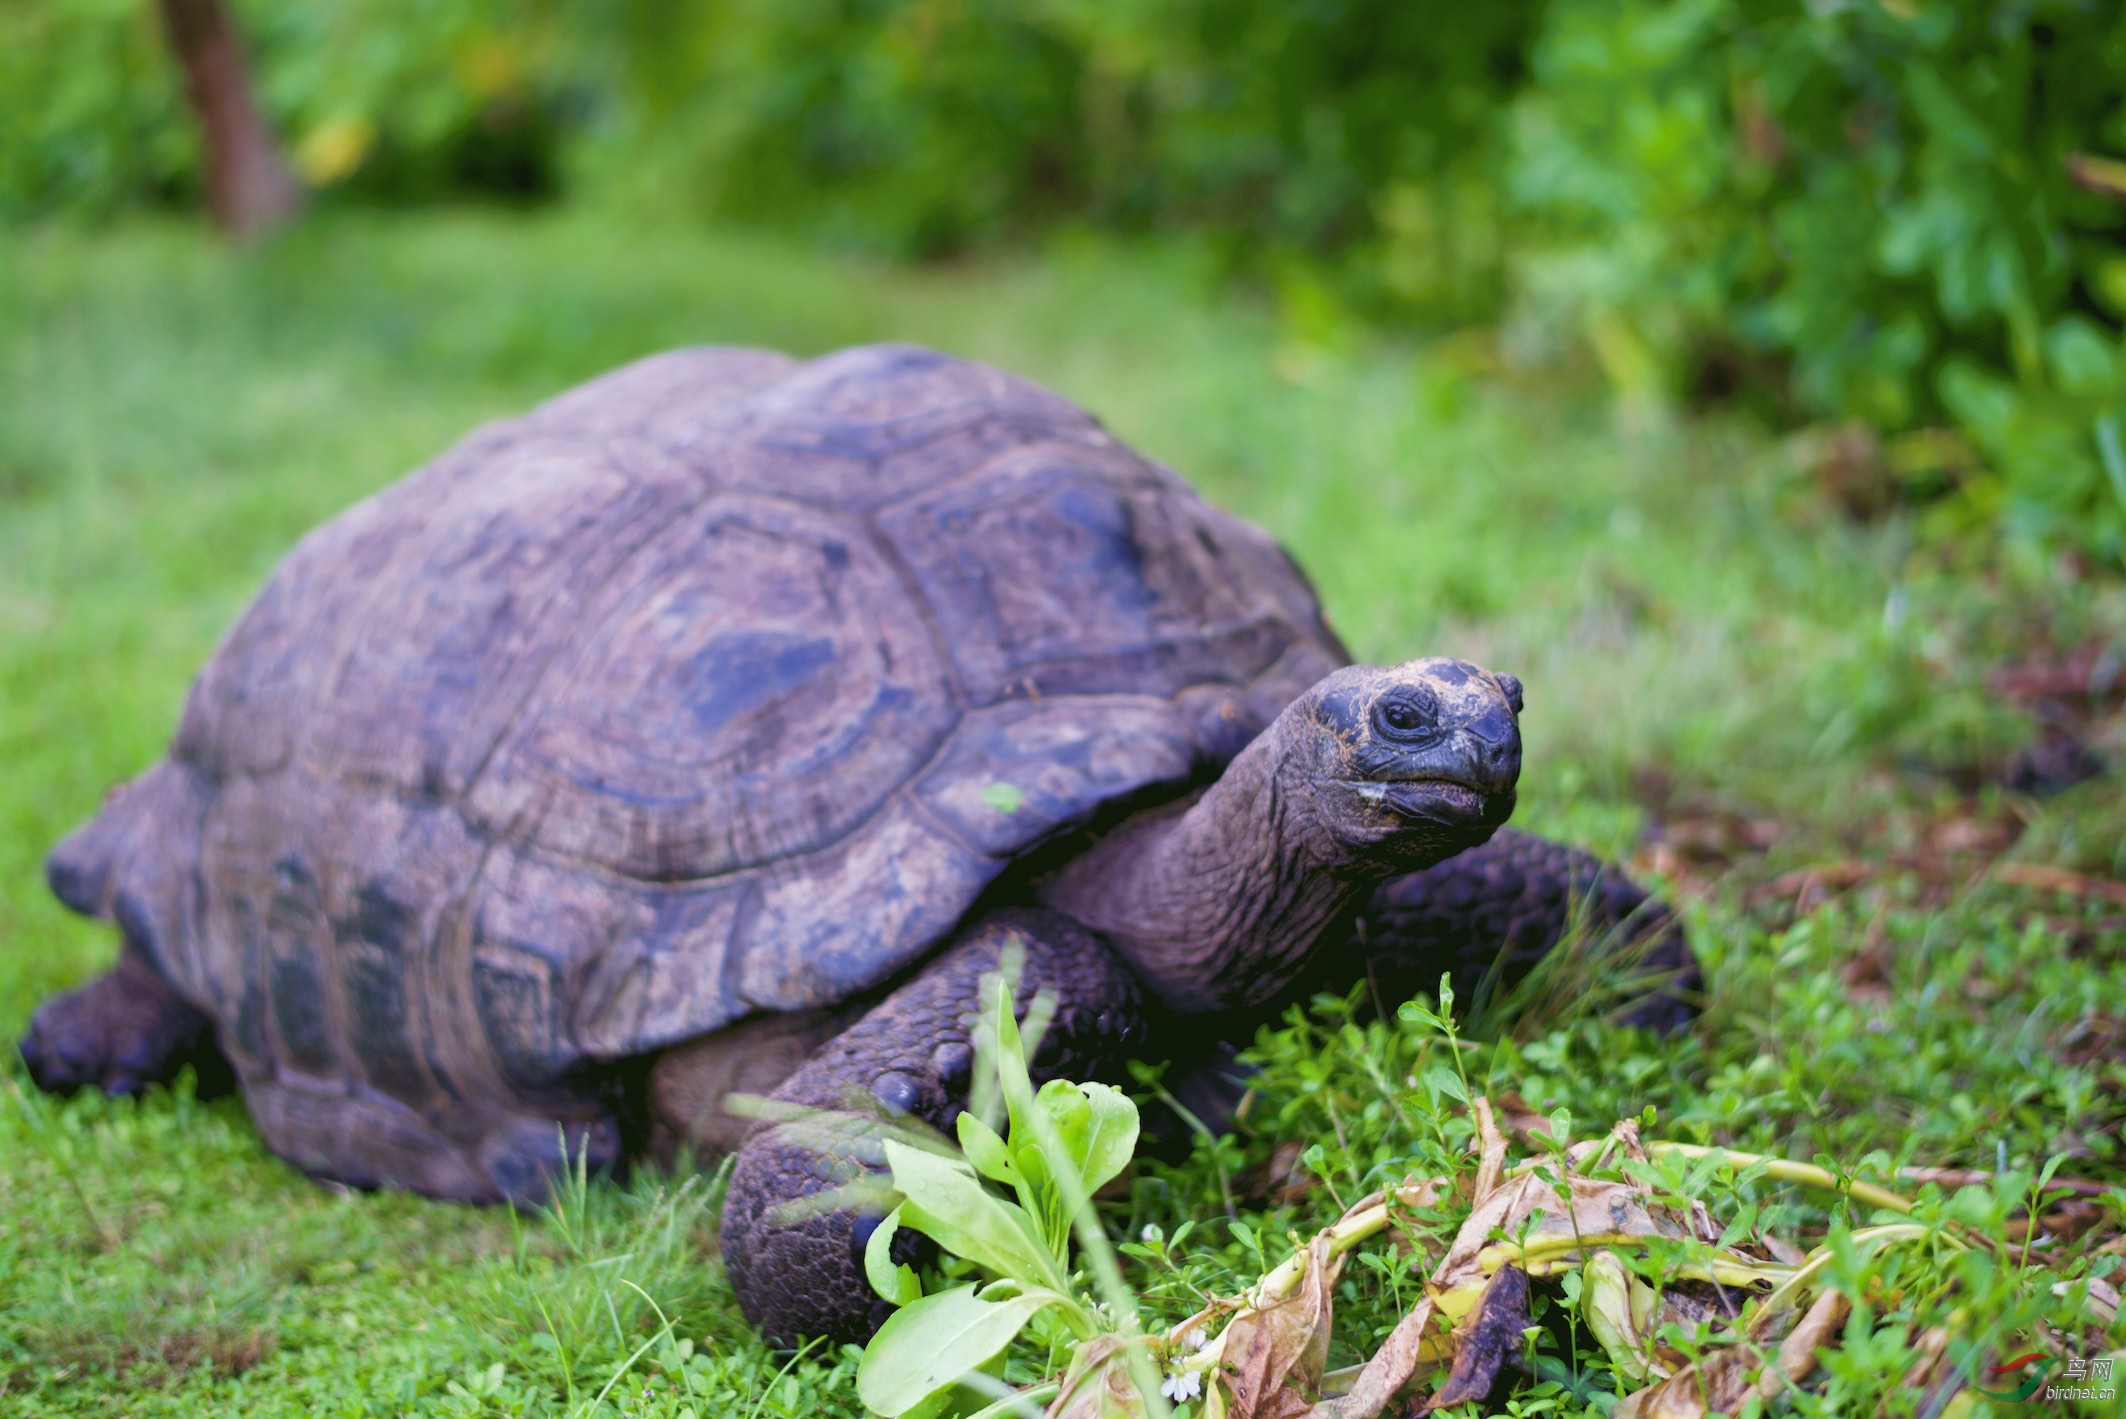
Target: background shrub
[1907,213]
[1878,196]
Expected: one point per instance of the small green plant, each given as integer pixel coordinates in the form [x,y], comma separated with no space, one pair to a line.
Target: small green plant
[1064,1142]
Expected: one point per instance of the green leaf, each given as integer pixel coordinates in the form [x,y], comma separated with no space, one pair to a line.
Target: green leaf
[1040,1196]
[1944,114]
[1740,1228]
[1011,1064]
[897,1284]
[984,1149]
[944,1201]
[1019,1401]
[1439,1079]
[928,1346]
[1110,1135]
[2111,450]
[1004,797]
[1416,1012]
[1068,1113]
[2081,359]
[1609,1315]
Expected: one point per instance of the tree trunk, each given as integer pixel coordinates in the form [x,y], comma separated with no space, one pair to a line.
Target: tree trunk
[249,187]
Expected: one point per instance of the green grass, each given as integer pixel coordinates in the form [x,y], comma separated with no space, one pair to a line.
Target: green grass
[1701,640]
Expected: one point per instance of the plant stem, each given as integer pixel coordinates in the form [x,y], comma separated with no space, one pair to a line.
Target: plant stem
[1805,1174]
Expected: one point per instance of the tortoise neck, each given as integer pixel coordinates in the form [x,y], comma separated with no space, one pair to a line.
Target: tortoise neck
[1217,901]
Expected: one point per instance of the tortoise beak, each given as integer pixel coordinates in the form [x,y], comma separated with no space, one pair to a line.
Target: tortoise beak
[1443,801]
[1447,802]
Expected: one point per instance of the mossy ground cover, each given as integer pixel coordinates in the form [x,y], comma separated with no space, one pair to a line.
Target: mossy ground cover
[1808,727]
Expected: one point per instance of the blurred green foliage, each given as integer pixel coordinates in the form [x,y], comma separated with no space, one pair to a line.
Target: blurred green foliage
[392,99]
[1352,129]
[1876,197]
[89,107]
[1840,209]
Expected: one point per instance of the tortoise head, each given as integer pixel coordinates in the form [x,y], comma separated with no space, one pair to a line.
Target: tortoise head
[1372,772]
[1414,762]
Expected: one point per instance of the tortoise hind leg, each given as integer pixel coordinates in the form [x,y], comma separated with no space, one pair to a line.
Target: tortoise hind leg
[123,1032]
[365,1138]
[800,1272]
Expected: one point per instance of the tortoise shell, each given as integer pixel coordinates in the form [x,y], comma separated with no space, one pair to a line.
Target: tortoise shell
[723,684]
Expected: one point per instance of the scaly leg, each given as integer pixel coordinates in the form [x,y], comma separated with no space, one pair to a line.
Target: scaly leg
[122,1032]
[1498,910]
[801,1273]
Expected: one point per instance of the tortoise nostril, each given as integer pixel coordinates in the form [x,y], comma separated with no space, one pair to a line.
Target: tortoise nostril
[1511,685]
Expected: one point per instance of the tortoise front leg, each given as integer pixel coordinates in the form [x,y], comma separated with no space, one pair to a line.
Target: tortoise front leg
[800,1272]
[1497,910]
[125,1030]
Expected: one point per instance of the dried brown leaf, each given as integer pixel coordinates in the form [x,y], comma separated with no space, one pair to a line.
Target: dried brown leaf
[1980,1177]
[1598,1213]
[1719,1382]
[1931,1345]
[2103,1302]
[1716,1384]
[1274,1355]
[1718,837]
[1411,1344]
[2106,177]
[1934,1377]
[1972,836]
[2059,879]
[1519,1117]
[1279,1179]
[1809,883]
[1781,1250]
[1804,1343]
[1484,1342]
[1097,1385]
[2068,1222]
[1504,1210]
[2092,670]
[1491,1167]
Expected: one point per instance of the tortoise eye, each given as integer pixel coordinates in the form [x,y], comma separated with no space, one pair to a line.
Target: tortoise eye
[1402,717]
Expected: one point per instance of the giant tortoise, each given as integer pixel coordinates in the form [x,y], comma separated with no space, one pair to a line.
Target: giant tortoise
[711,729]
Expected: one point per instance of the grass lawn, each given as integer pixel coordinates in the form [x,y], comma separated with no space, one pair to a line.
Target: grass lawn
[1725,678]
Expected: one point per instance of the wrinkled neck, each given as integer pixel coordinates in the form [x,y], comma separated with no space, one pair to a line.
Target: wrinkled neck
[1217,902]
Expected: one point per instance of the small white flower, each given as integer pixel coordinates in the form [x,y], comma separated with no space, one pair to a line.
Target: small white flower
[1182,1384]
[1194,1338]
[1151,1233]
